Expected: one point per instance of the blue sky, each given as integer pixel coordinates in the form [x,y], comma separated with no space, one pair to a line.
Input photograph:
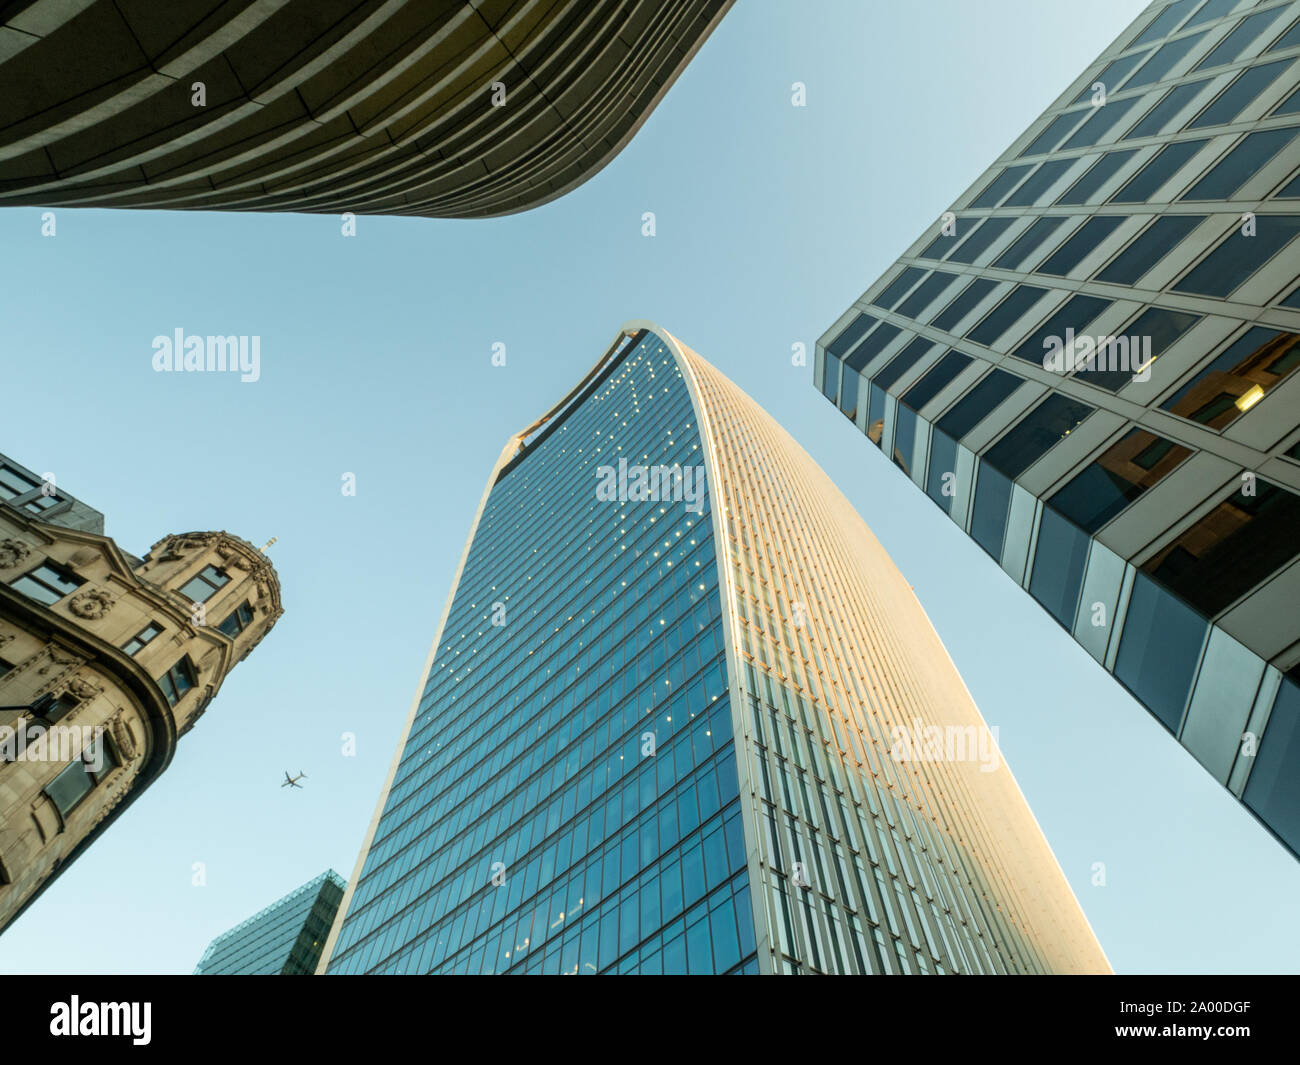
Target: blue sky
[376,360]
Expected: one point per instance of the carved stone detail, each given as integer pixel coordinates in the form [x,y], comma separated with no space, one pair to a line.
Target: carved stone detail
[83,689]
[13,553]
[91,604]
[123,738]
[177,547]
[57,660]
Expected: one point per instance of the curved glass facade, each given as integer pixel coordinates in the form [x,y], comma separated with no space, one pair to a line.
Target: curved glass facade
[566,800]
[637,753]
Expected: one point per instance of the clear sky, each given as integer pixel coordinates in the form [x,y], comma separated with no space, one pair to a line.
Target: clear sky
[376,360]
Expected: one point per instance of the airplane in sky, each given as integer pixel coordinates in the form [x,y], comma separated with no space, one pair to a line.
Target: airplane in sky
[292,782]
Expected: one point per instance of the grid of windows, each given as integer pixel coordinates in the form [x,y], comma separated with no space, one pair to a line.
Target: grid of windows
[861,865]
[285,939]
[1175,241]
[595,776]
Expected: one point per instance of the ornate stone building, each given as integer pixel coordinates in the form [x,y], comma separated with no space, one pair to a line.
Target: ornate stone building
[105,661]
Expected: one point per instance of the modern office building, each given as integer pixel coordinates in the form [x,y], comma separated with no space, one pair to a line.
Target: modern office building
[1089,364]
[285,939]
[682,714]
[447,109]
[106,660]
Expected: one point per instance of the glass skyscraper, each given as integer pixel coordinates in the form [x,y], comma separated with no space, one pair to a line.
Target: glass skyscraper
[1089,364]
[683,715]
[285,939]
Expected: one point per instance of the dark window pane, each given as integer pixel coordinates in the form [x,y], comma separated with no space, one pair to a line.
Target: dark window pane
[1290,105]
[1165,23]
[1273,789]
[1230,550]
[935,380]
[849,394]
[944,242]
[1155,120]
[1035,434]
[1116,477]
[979,240]
[1239,95]
[1147,181]
[1213,9]
[1037,184]
[902,362]
[47,583]
[1058,566]
[177,681]
[831,379]
[1112,76]
[1215,409]
[1158,650]
[1241,164]
[878,339]
[1168,56]
[904,438]
[1101,123]
[1230,48]
[1288,40]
[899,287]
[234,624]
[141,638]
[1005,314]
[1227,267]
[205,584]
[1024,246]
[1148,248]
[876,414]
[850,335]
[1001,185]
[926,293]
[1054,133]
[71,786]
[943,466]
[1072,316]
[1102,171]
[978,403]
[1153,332]
[1293,300]
[965,302]
[1077,248]
[988,523]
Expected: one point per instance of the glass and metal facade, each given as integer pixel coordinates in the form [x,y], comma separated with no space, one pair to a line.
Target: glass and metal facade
[1088,364]
[453,109]
[39,497]
[285,939]
[632,754]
